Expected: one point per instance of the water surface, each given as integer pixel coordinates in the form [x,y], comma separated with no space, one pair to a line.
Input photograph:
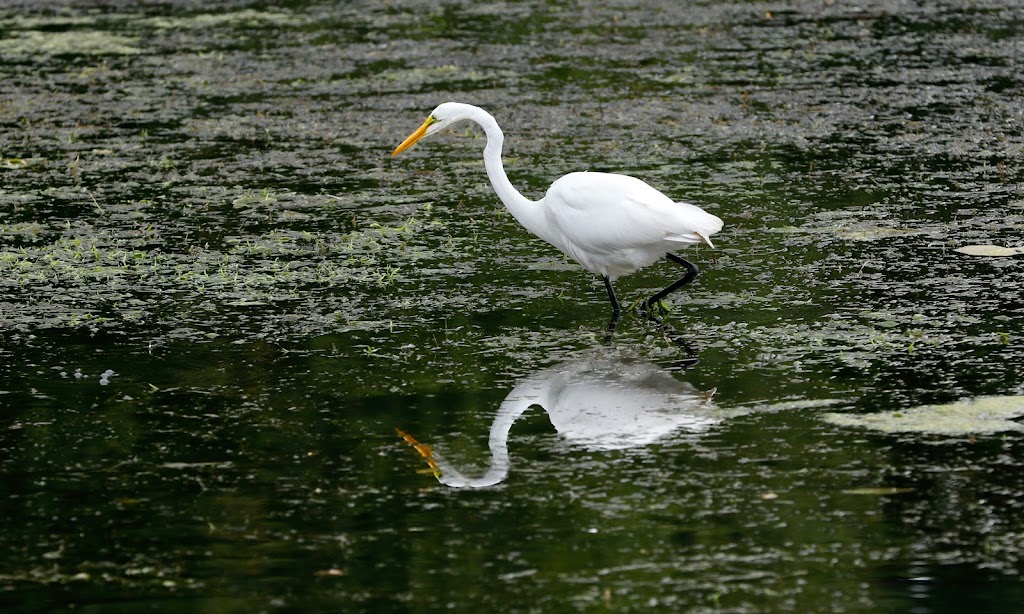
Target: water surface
[220,299]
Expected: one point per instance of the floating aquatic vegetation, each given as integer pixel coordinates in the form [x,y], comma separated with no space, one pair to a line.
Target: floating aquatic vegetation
[877,491]
[995,251]
[967,417]
[856,225]
[75,42]
[112,271]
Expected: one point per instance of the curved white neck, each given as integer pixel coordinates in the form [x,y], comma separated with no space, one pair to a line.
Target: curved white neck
[526,211]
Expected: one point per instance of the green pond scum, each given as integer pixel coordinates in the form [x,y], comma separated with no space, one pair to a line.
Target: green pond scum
[982,415]
[219,299]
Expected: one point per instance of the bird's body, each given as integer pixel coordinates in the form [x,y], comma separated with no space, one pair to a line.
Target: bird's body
[613,225]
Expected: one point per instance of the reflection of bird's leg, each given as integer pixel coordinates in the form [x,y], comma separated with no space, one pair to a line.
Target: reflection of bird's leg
[692,353]
[691,273]
[615,309]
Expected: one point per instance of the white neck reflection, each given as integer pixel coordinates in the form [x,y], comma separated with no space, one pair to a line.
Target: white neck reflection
[600,400]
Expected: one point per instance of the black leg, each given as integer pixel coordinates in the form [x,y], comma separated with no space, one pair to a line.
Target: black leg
[611,296]
[691,273]
[615,310]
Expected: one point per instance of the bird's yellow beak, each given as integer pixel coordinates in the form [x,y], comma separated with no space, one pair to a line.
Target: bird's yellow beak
[415,136]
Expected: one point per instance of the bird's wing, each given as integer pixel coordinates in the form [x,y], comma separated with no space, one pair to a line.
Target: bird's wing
[602,213]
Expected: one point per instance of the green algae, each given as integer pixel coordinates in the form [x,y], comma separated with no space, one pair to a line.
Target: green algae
[77,42]
[120,269]
[977,416]
[995,251]
[244,18]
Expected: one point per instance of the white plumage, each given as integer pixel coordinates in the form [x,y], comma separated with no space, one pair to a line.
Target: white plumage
[613,225]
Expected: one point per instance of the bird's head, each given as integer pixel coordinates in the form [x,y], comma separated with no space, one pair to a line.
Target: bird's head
[440,118]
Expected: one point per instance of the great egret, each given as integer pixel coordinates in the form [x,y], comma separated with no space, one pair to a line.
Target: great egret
[600,401]
[613,225]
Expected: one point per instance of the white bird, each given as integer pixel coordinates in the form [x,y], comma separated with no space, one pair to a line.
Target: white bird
[613,225]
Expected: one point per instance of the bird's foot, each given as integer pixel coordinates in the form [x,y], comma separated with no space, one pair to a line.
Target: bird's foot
[656,309]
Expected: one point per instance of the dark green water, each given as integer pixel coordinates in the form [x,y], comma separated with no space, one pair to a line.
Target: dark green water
[219,297]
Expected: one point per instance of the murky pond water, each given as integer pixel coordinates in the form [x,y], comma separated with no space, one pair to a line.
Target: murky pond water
[219,299]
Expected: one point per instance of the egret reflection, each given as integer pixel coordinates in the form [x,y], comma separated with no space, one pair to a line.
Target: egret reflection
[603,400]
